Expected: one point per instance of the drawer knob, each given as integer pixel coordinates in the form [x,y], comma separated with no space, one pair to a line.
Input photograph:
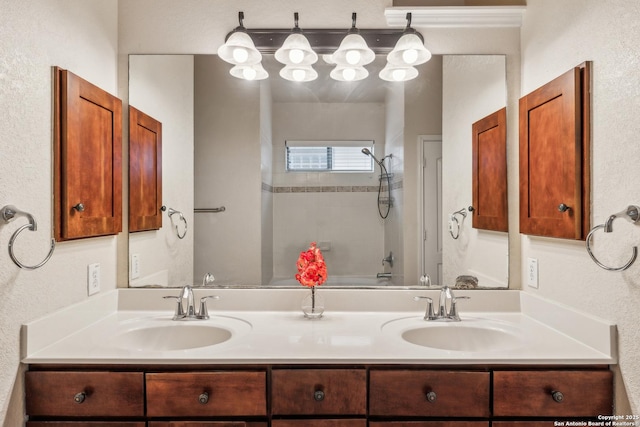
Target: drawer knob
[79,207]
[203,398]
[557,396]
[80,397]
[318,395]
[563,208]
[431,396]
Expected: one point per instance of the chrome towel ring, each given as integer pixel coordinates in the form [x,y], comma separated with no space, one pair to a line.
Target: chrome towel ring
[173,212]
[8,213]
[631,213]
[454,224]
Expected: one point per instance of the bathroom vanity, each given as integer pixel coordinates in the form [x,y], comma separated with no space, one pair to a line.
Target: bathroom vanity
[350,368]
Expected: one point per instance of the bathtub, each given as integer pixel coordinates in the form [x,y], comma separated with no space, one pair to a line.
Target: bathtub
[339,281]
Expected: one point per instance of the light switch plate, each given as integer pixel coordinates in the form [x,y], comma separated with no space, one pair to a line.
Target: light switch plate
[532,272]
[135,266]
[93,278]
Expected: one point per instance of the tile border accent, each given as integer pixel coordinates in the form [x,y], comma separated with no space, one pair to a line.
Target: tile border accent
[329,189]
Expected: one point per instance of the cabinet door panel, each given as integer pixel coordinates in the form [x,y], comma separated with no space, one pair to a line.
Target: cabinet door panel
[406,393]
[490,172]
[554,157]
[86,424]
[320,423]
[106,394]
[531,393]
[207,424]
[145,171]
[228,394]
[344,391]
[429,424]
[87,159]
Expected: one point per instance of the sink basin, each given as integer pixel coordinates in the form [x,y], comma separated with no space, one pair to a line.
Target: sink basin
[168,335]
[469,336]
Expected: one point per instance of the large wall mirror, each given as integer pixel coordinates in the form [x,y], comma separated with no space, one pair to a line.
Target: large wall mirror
[224,145]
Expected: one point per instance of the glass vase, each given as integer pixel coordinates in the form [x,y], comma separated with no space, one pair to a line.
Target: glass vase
[313,304]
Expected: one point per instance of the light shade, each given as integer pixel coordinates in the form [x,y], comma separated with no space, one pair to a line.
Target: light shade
[239,50]
[298,73]
[394,73]
[409,51]
[296,50]
[249,72]
[349,74]
[353,52]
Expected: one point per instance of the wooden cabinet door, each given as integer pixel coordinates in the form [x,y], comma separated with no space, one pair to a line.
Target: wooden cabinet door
[490,172]
[87,159]
[352,422]
[145,171]
[207,424]
[456,423]
[554,157]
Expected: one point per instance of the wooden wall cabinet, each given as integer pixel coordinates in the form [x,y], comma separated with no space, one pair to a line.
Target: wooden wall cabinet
[489,154]
[555,157]
[145,171]
[87,159]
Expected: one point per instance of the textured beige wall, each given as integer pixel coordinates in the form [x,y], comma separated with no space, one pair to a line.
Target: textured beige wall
[81,36]
[557,36]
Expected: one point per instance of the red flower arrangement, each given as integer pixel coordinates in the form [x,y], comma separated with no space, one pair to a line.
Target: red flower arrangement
[312,271]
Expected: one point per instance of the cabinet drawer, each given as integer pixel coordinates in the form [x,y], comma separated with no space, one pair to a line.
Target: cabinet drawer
[85,394]
[320,423]
[429,393]
[85,424]
[429,424]
[207,424]
[199,394]
[531,393]
[319,391]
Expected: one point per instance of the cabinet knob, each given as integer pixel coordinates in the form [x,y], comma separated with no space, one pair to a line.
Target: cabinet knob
[471,209]
[80,397]
[318,395]
[79,207]
[563,208]
[203,398]
[557,396]
[431,396]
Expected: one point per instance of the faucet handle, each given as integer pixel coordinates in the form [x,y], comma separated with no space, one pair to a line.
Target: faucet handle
[428,314]
[453,311]
[204,313]
[179,313]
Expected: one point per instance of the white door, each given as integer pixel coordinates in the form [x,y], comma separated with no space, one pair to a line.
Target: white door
[431,155]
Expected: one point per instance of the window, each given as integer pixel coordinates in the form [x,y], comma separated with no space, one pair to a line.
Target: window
[328,156]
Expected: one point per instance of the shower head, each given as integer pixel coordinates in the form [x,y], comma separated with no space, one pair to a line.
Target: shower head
[369,153]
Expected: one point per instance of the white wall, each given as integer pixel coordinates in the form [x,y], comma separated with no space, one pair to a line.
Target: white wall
[556,36]
[473,88]
[162,87]
[81,36]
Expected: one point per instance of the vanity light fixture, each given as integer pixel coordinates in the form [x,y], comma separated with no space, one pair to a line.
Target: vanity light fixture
[297,51]
[238,48]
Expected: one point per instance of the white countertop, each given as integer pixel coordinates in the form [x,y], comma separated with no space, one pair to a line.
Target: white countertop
[87,333]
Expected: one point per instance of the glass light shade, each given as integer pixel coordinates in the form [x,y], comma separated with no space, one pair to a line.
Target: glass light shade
[348,74]
[353,51]
[409,51]
[239,50]
[394,73]
[298,73]
[296,50]
[249,72]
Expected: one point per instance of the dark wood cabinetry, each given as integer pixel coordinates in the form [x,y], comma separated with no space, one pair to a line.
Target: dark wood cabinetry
[87,159]
[555,157]
[279,396]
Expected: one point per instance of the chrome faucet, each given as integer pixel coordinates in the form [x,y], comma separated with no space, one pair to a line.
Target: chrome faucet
[450,315]
[190,313]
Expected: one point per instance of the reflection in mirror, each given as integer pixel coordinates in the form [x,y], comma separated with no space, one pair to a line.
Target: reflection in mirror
[224,145]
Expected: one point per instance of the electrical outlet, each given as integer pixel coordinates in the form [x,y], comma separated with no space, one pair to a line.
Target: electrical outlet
[135,266]
[93,278]
[532,272]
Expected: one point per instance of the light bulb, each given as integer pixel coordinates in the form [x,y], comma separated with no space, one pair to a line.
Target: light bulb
[399,74]
[410,56]
[349,74]
[299,75]
[240,55]
[296,56]
[249,73]
[353,57]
